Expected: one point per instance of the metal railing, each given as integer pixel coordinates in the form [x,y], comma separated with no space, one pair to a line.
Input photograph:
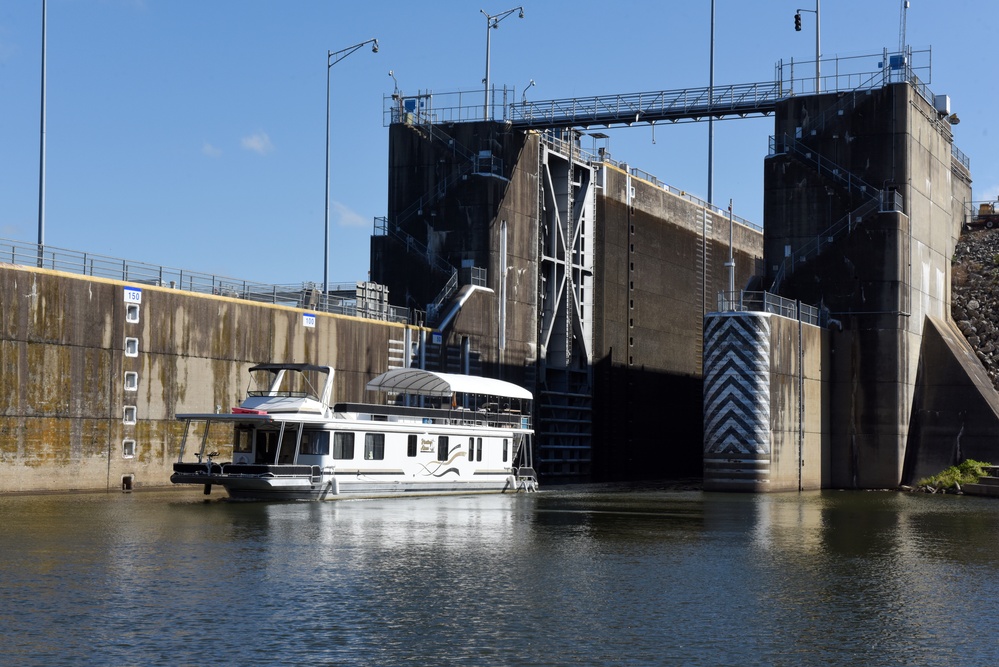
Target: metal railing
[434,308]
[649,106]
[765,302]
[571,149]
[817,244]
[823,165]
[427,107]
[383,227]
[307,295]
[845,73]
[694,199]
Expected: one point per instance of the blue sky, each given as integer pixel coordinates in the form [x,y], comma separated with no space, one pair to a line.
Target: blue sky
[191,133]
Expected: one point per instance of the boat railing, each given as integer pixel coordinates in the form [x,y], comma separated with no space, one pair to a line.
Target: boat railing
[272,470]
[449,416]
[206,468]
[281,393]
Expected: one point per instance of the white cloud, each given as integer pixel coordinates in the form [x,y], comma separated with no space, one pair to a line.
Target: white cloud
[210,151]
[345,217]
[258,142]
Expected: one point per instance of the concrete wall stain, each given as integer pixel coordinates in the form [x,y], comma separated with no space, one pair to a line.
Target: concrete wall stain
[63,365]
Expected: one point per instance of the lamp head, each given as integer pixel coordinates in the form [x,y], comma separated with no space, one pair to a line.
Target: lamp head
[374,47]
[521,13]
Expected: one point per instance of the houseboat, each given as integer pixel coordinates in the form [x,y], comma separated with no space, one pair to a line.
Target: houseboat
[434,433]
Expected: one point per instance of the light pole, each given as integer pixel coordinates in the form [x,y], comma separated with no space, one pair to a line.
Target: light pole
[492,21]
[332,58]
[41,155]
[711,117]
[818,50]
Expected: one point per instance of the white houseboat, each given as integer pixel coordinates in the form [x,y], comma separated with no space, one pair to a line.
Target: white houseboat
[435,433]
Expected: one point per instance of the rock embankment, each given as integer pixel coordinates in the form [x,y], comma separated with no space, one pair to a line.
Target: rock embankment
[975,295]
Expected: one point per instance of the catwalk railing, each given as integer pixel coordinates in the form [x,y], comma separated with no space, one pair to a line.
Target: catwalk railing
[341,299]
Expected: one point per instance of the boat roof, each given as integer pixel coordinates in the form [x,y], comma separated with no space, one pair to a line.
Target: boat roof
[432,383]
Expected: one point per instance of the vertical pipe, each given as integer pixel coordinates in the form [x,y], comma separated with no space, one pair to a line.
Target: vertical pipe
[502,293]
[731,254]
[485,99]
[41,150]
[818,51]
[801,400]
[326,235]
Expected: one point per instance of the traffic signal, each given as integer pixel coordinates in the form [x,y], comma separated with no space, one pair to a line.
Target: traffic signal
[797,21]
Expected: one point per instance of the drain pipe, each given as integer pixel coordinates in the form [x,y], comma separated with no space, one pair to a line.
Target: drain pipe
[730,264]
[501,334]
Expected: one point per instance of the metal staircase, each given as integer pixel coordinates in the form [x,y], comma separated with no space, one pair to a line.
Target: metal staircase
[873,200]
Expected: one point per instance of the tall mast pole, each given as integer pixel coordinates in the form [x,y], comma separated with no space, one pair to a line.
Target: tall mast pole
[41,150]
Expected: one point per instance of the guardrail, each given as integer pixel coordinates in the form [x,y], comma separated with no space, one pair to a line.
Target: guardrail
[308,295]
[765,302]
[570,149]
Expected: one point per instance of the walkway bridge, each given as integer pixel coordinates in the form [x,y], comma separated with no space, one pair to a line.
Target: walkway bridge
[844,74]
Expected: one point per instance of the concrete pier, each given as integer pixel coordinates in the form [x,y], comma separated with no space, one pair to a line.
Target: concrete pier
[766,402]
[864,202]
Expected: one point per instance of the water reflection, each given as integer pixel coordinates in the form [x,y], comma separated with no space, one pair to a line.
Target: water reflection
[596,576]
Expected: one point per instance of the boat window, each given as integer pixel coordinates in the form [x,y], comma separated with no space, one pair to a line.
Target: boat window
[505,445]
[343,445]
[243,442]
[471,449]
[287,453]
[478,452]
[442,448]
[316,443]
[374,446]
[266,444]
[411,446]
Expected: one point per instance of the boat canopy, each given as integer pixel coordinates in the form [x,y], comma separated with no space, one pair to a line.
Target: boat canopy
[301,368]
[430,383]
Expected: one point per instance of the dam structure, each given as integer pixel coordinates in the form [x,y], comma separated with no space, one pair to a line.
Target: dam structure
[579,276]
[865,197]
[509,250]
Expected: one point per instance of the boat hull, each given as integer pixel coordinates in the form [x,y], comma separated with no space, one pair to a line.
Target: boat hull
[257,482]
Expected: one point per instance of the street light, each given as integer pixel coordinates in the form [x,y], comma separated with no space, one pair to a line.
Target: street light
[492,21]
[332,58]
[524,96]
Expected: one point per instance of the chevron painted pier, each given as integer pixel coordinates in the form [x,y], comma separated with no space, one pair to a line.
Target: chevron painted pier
[764,403]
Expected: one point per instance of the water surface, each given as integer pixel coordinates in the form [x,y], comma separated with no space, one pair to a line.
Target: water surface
[575,576]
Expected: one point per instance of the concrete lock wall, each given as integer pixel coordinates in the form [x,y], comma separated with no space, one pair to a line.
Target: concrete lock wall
[887,274]
[656,275]
[766,417]
[90,384]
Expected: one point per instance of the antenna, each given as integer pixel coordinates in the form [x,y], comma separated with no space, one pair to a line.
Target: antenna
[901,25]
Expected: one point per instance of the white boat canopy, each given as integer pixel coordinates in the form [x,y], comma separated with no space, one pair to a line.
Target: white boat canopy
[430,383]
